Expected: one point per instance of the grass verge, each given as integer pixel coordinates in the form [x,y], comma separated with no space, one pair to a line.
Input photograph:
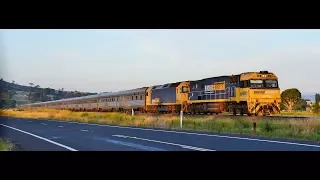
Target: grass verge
[306,129]
[298,113]
[5,145]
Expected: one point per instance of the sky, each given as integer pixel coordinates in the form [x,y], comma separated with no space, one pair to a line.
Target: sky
[112,60]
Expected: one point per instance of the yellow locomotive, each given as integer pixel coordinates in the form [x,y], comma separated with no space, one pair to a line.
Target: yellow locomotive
[258,94]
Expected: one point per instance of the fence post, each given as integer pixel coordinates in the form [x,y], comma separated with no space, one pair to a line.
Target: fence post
[254,127]
[181,117]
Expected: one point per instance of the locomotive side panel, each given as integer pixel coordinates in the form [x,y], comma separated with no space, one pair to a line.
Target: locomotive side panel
[212,95]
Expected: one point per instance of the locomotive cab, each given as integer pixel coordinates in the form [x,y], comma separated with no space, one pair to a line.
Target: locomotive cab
[261,91]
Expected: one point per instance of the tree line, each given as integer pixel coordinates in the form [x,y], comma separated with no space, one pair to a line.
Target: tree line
[34,93]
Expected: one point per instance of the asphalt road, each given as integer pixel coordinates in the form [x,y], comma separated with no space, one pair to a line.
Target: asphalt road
[49,135]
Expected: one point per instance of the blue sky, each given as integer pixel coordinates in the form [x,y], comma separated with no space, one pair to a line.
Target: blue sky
[111,60]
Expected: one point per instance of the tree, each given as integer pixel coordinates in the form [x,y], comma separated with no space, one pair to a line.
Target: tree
[316,107]
[301,106]
[317,97]
[290,98]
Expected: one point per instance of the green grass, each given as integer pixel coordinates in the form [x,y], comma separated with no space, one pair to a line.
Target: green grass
[308,129]
[297,113]
[5,145]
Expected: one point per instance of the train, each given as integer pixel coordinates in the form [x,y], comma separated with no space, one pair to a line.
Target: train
[251,93]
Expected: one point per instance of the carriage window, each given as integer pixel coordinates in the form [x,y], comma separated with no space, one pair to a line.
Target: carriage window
[140,97]
[136,97]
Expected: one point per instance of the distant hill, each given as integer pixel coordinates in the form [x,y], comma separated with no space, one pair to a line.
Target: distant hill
[309,96]
[12,94]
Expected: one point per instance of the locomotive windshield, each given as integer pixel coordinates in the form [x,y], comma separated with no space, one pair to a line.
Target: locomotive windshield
[184,89]
[271,84]
[256,83]
[259,84]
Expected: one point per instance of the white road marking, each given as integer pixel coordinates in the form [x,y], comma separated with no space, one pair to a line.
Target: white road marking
[44,124]
[197,134]
[39,137]
[162,142]
[29,121]
[60,126]
[54,137]
[138,146]
[84,130]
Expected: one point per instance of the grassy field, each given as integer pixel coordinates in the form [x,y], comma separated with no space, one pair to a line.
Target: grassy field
[5,145]
[308,129]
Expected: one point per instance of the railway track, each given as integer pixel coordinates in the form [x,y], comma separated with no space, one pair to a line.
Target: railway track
[229,116]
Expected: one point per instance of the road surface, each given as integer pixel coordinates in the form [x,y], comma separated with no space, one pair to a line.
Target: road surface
[50,135]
